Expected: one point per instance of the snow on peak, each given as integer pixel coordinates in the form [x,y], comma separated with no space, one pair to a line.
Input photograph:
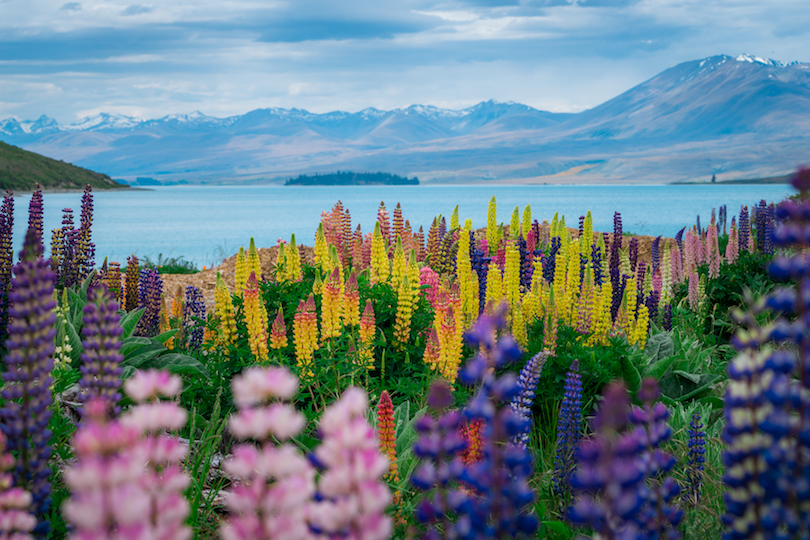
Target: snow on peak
[103,121]
[758,60]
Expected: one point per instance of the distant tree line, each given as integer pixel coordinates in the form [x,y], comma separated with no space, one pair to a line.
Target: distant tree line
[348,178]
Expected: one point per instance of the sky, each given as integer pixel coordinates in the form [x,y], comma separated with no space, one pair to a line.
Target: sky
[70,60]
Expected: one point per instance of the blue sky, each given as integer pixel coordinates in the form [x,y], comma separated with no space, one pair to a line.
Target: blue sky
[74,59]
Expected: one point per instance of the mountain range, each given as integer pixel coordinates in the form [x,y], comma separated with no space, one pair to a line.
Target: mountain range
[733,117]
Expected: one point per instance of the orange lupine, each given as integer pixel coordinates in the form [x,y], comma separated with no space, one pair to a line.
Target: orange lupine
[278,333]
[386,435]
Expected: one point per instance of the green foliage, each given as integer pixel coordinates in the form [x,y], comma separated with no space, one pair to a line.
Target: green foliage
[171,265]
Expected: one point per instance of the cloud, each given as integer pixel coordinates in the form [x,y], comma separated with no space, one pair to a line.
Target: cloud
[136,9]
[71,6]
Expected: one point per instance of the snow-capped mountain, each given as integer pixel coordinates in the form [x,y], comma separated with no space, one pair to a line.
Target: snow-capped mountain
[724,115]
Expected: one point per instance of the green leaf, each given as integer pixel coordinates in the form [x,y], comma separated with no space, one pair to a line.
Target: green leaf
[127,372]
[87,282]
[75,343]
[659,346]
[181,364]
[130,321]
[142,355]
[659,368]
[630,374]
[715,402]
[132,343]
[558,527]
[165,336]
[693,377]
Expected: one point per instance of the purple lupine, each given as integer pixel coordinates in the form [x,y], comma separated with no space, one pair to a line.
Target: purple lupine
[695,460]
[549,263]
[502,475]
[15,520]
[29,363]
[640,275]
[569,433]
[656,254]
[596,262]
[768,246]
[583,264]
[666,317]
[67,273]
[679,239]
[536,230]
[6,260]
[101,341]
[525,263]
[616,244]
[697,222]
[652,304]
[632,254]
[618,292]
[522,403]
[194,308]
[442,229]
[659,517]
[745,229]
[723,220]
[150,290]
[438,448]
[35,212]
[479,263]
[609,479]
[85,248]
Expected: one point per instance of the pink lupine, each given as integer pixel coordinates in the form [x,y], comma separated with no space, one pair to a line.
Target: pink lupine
[427,276]
[354,494]
[277,481]
[691,245]
[733,247]
[677,266]
[694,299]
[713,252]
[16,520]
[657,281]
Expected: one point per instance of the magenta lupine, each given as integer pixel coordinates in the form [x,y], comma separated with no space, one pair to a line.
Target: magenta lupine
[101,341]
[277,482]
[6,260]
[26,413]
[16,523]
[689,253]
[427,276]
[353,494]
[163,480]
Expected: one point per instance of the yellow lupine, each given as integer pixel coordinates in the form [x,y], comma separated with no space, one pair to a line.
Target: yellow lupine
[292,263]
[530,305]
[380,265]
[305,335]
[241,272]
[494,285]
[454,219]
[586,240]
[553,229]
[469,305]
[450,346]
[585,309]
[642,326]
[413,276]
[351,301]
[368,328]
[519,327]
[331,316]
[281,262]
[666,275]
[320,251]
[559,285]
[468,224]
[514,224]
[572,281]
[278,332]
[492,226]
[631,299]
[225,312]
[402,323]
[511,276]
[527,221]
[253,263]
[256,318]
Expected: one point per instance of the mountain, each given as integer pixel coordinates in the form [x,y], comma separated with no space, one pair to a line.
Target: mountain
[733,117]
[21,170]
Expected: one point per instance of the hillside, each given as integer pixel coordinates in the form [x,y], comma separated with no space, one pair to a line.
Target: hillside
[347,178]
[732,117]
[20,170]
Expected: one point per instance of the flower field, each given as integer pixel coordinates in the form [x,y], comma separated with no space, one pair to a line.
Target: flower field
[514,379]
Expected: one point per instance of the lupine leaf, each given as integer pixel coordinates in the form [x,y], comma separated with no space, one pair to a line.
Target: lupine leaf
[130,321]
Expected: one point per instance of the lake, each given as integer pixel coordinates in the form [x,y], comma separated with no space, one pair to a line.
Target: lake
[204,224]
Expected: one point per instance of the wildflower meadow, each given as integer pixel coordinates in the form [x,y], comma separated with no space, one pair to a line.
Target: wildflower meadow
[521,378]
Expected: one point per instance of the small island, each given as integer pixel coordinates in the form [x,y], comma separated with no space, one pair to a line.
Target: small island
[348,178]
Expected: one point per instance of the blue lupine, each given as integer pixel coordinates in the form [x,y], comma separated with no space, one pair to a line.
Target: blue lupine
[652,304]
[479,263]
[150,289]
[745,229]
[85,248]
[679,238]
[26,413]
[632,253]
[695,459]
[501,476]
[35,211]
[6,260]
[525,264]
[569,433]
[656,254]
[522,403]
[666,317]
[549,263]
[596,262]
[101,341]
[193,309]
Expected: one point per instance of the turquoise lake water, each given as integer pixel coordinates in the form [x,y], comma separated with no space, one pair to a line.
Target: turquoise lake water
[204,224]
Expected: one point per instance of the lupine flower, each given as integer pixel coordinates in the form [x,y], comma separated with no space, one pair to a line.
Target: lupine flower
[367,331]
[6,260]
[695,459]
[666,317]
[745,229]
[658,517]
[225,312]
[427,276]
[402,323]
[432,349]
[694,297]
[439,469]
[35,211]
[504,510]
[101,341]
[65,246]
[569,432]
[523,401]
[132,279]
[29,362]
[449,343]
[473,434]
[633,253]
[609,477]
[15,520]
[596,262]
[380,265]
[305,334]
[352,494]
[386,433]
[320,250]
[85,248]
[493,236]
[277,483]
[193,308]
[256,319]
[550,262]
[278,332]
[150,290]
[112,279]
[331,307]
[241,273]
[385,226]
